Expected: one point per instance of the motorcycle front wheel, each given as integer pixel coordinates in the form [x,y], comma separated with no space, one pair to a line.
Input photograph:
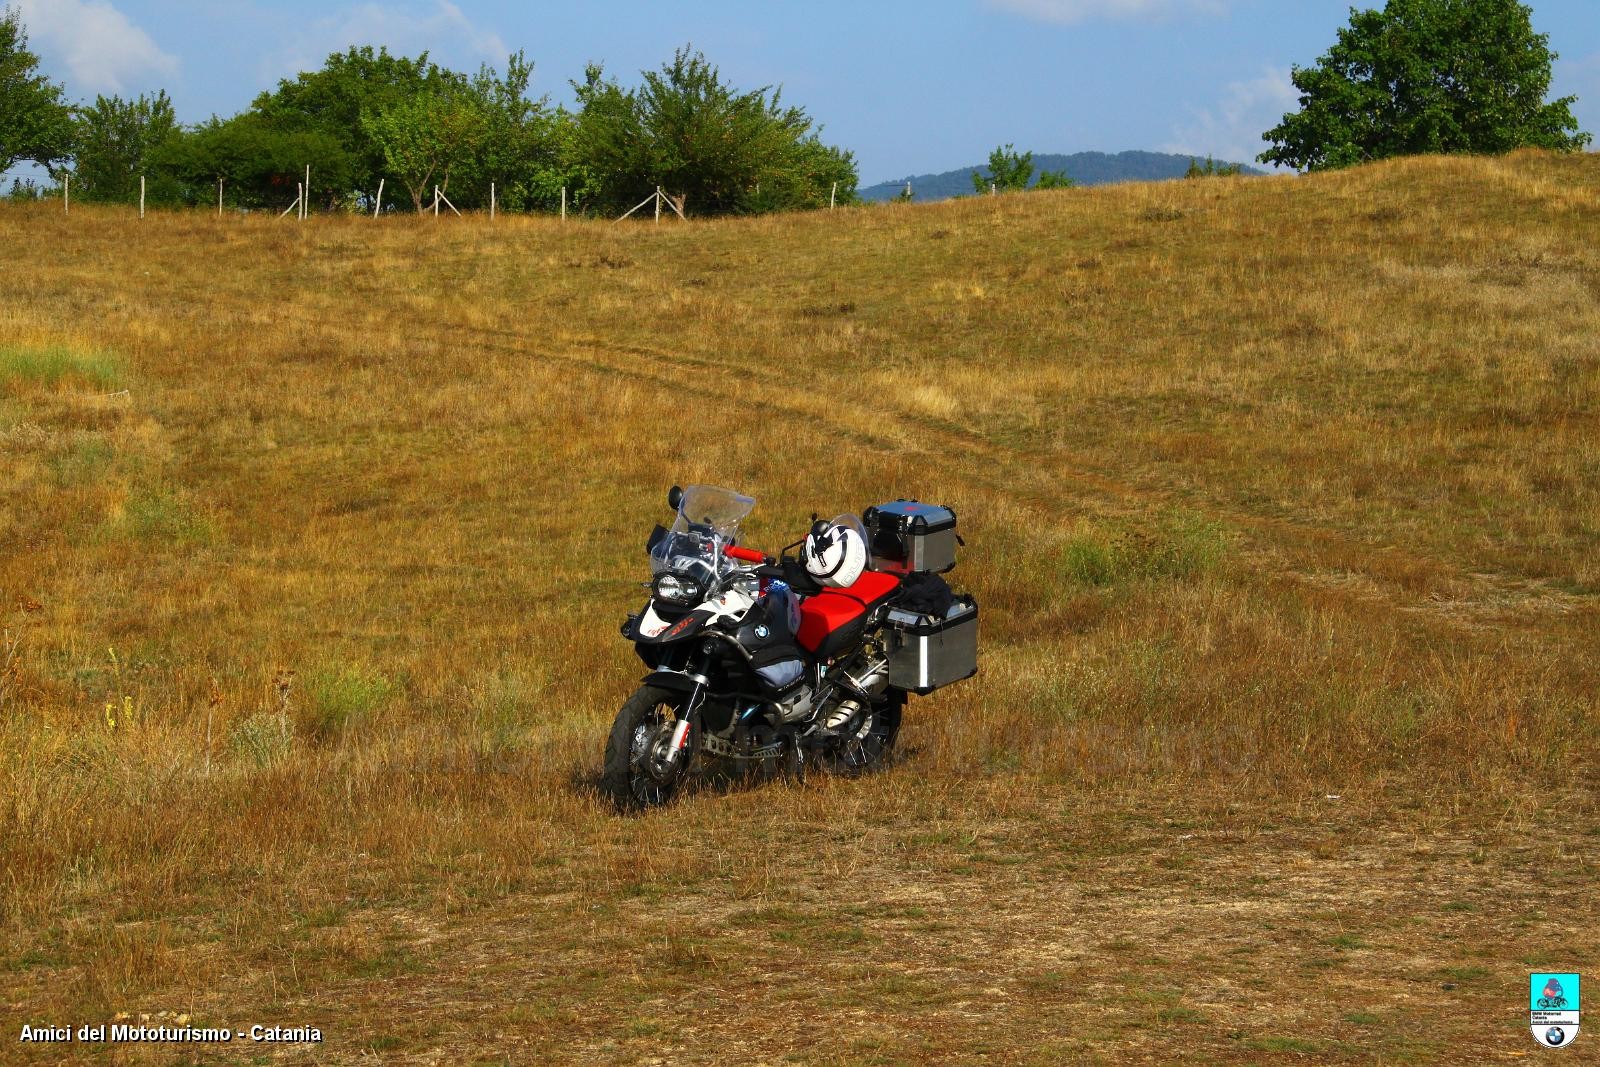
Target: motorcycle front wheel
[639,772]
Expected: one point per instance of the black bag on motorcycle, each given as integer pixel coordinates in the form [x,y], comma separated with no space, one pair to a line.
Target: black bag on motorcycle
[780,670]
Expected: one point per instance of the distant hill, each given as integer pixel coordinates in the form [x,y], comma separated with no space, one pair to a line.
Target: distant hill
[1085,168]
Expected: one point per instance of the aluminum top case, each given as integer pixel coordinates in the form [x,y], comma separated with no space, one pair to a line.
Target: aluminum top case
[908,535]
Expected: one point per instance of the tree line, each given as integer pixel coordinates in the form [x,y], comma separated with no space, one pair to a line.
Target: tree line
[1417,76]
[367,116]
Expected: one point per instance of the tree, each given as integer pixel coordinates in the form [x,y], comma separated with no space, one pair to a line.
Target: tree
[427,136]
[118,140]
[35,123]
[609,142]
[689,132]
[707,139]
[1008,171]
[569,168]
[259,164]
[1212,169]
[519,148]
[1054,179]
[353,85]
[806,178]
[1426,76]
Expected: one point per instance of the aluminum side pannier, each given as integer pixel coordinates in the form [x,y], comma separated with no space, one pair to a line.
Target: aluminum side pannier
[927,652]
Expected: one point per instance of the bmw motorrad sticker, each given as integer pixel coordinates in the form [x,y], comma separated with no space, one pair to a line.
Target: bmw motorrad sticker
[1553,1004]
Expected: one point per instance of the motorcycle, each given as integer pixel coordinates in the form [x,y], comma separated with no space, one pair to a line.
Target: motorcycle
[753,662]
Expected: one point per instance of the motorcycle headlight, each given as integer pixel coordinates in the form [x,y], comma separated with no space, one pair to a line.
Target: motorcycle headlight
[677,588]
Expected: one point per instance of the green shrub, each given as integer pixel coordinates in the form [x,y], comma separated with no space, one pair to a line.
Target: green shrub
[52,366]
[340,697]
[499,706]
[263,738]
[1186,546]
[81,462]
[161,514]
[1183,546]
[1088,562]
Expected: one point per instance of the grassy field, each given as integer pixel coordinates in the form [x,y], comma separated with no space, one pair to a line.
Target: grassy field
[1281,498]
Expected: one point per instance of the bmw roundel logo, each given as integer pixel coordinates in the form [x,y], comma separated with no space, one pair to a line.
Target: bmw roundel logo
[1555,1036]
[762,633]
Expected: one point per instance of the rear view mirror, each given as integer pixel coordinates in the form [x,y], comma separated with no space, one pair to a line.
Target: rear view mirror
[674,497]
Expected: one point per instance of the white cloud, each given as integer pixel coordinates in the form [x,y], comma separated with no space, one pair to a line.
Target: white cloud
[1070,11]
[1231,128]
[100,47]
[439,29]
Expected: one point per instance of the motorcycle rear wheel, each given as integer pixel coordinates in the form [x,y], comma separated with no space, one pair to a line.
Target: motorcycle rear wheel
[868,744]
[644,723]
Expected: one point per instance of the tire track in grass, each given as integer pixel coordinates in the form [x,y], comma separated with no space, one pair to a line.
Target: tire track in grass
[1477,602]
[1328,560]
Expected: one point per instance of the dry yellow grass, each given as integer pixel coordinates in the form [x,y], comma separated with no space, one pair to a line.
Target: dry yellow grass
[314,540]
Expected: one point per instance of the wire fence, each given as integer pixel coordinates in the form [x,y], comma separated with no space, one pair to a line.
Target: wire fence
[37,184]
[16,182]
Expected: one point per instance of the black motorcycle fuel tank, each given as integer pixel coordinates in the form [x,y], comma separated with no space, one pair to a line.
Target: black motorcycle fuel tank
[769,622]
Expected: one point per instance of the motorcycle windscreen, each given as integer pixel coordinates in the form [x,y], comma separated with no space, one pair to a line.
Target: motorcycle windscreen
[718,511]
[707,522]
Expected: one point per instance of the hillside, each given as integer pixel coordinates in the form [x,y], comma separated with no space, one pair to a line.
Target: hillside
[1084,168]
[1281,498]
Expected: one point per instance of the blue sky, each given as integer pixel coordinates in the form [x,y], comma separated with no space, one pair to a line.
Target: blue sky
[909,87]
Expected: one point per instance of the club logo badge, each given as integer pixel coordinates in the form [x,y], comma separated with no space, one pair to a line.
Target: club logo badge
[1553,1008]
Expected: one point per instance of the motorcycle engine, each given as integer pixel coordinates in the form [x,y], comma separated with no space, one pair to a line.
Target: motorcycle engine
[870,675]
[797,707]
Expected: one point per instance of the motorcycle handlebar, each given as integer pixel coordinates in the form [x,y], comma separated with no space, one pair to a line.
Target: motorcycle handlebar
[745,555]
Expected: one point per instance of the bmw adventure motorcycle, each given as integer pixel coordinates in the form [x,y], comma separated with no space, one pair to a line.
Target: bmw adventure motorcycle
[789,661]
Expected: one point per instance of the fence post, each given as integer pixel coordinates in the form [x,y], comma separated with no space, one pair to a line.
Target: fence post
[908,190]
[833,195]
[563,203]
[377,205]
[305,203]
[993,191]
[435,201]
[141,196]
[219,198]
[66,192]
[491,201]
[658,204]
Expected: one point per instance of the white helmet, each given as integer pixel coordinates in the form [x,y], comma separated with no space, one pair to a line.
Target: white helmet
[835,553]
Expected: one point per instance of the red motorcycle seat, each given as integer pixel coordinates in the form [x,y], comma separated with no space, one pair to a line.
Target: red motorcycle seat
[833,609]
